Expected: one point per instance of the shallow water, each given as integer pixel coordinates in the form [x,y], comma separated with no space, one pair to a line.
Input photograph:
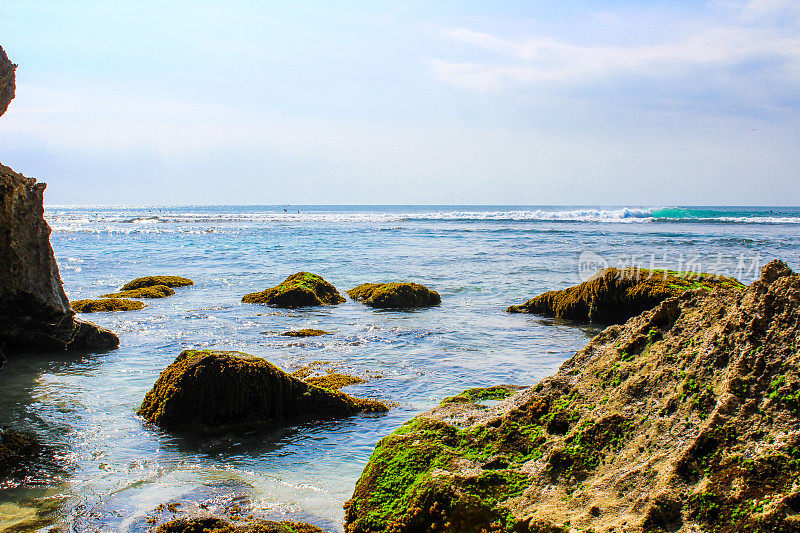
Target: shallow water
[112,470]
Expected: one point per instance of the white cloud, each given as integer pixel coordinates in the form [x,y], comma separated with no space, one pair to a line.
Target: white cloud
[719,51]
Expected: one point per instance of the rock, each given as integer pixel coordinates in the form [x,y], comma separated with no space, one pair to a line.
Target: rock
[34,310]
[7,81]
[334,381]
[210,524]
[298,290]
[15,446]
[153,291]
[686,418]
[150,281]
[395,295]
[209,389]
[305,332]
[613,296]
[106,305]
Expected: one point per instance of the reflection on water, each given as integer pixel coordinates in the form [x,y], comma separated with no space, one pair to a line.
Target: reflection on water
[108,471]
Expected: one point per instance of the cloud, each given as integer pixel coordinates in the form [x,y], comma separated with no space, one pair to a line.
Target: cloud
[743,60]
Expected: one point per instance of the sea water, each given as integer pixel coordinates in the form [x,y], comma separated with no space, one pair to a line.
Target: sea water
[110,469]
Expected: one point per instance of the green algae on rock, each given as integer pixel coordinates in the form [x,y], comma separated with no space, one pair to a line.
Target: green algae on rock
[298,290]
[615,295]
[106,305]
[395,295]
[211,524]
[149,281]
[153,291]
[305,332]
[208,389]
[685,418]
[334,381]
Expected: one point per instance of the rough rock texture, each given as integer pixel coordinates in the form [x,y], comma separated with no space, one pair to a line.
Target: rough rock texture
[219,525]
[395,295]
[305,332]
[14,446]
[687,418]
[106,305]
[613,296]
[298,290]
[34,311]
[153,291]
[208,389]
[7,81]
[150,281]
[334,381]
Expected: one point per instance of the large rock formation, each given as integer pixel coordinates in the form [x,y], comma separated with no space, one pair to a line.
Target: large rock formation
[209,389]
[395,295]
[613,295]
[34,311]
[212,524]
[687,418]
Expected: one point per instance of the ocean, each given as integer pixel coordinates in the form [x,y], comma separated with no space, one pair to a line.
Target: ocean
[111,469]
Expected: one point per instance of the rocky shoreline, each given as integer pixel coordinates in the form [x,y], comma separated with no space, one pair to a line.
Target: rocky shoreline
[683,416]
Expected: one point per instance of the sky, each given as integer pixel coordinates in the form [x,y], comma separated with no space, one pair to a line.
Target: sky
[648,103]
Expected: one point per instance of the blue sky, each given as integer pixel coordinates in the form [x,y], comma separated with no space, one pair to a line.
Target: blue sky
[248,102]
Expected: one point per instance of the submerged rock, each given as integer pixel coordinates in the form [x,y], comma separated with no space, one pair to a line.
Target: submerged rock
[150,281]
[153,291]
[208,389]
[395,295]
[34,310]
[334,381]
[685,418]
[212,524]
[298,290]
[615,295]
[106,305]
[305,332]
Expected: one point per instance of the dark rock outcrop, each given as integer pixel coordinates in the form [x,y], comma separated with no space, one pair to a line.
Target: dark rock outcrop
[14,447]
[105,305]
[614,295]
[34,311]
[395,295]
[211,389]
[298,290]
[153,291]
[686,418]
[150,281]
[7,81]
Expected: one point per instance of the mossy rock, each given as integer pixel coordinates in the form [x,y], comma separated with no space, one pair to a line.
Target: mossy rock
[154,291]
[684,418]
[150,281]
[334,381]
[614,295]
[305,332]
[219,525]
[212,389]
[395,295]
[105,305]
[298,290]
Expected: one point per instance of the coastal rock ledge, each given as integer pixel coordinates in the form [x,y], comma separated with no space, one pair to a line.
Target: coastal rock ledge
[208,389]
[614,295]
[303,289]
[34,310]
[395,295]
[684,419]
